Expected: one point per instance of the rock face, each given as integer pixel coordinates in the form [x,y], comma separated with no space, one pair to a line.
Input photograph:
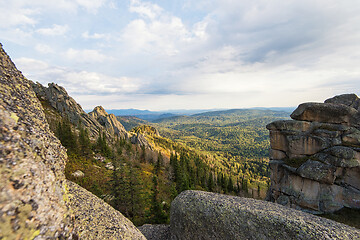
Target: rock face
[315,158]
[96,121]
[36,202]
[95,219]
[32,162]
[204,215]
[109,122]
[59,99]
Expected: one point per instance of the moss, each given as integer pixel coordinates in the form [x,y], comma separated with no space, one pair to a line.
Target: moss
[15,117]
[36,233]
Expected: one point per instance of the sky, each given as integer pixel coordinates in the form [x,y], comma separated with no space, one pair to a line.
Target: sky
[187,54]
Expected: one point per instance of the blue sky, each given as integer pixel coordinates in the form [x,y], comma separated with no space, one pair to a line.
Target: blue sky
[186,54]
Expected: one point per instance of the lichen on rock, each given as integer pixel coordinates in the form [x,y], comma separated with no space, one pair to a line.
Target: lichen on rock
[32,163]
[204,215]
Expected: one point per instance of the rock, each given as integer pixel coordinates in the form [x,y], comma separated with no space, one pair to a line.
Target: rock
[95,219]
[109,166]
[32,163]
[289,125]
[326,113]
[339,156]
[78,174]
[140,139]
[59,99]
[109,122]
[277,154]
[350,100]
[351,137]
[306,144]
[156,231]
[317,171]
[320,150]
[203,215]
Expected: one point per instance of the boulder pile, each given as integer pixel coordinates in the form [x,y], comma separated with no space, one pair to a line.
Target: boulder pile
[315,158]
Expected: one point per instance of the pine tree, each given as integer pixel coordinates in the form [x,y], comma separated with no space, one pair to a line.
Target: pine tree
[84,142]
[211,183]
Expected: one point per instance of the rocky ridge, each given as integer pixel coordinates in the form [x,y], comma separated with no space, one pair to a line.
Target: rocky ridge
[59,99]
[315,158]
[36,202]
[98,121]
[109,122]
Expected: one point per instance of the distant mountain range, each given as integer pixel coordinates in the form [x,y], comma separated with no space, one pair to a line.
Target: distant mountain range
[157,115]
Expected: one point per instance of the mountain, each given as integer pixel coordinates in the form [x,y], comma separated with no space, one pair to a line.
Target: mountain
[142,114]
[235,132]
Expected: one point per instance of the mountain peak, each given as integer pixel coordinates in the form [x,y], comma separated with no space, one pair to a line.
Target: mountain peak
[98,111]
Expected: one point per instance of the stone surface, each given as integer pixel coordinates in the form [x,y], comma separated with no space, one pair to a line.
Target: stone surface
[95,219]
[317,171]
[320,153]
[350,100]
[59,99]
[156,231]
[32,162]
[203,215]
[326,113]
[109,122]
[78,174]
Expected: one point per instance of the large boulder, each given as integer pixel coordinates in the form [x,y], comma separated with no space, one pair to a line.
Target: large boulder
[32,163]
[36,201]
[204,215]
[95,219]
[326,113]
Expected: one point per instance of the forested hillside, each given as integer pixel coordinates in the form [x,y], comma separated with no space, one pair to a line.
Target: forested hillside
[235,141]
[142,180]
[238,132]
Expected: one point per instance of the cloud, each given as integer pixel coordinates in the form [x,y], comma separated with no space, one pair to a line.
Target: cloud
[91,5]
[43,48]
[86,35]
[159,32]
[55,30]
[145,9]
[86,56]
[77,82]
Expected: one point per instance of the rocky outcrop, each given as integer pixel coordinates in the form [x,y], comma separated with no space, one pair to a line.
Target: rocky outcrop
[95,219]
[96,121]
[109,122]
[32,162]
[315,158]
[36,202]
[59,99]
[204,215]
[156,231]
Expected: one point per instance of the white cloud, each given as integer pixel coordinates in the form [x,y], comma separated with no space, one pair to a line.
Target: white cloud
[91,5]
[145,9]
[16,17]
[77,82]
[86,55]
[55,30]
[43,48]
[159,32]
[87,35]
